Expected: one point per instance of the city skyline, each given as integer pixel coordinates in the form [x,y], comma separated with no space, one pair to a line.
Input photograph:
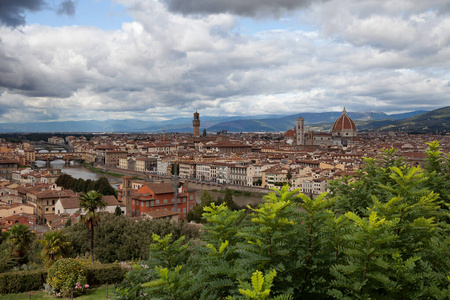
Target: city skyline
[162,59]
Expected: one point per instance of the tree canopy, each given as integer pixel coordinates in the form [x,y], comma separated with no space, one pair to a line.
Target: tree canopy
[383,234]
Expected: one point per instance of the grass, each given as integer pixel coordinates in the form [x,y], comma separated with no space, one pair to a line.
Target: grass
[238,193]
[97,170]
[97,292]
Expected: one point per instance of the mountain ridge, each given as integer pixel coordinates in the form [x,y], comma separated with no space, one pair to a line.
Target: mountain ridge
[257,123]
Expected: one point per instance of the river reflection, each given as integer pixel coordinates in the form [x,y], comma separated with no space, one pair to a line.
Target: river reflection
[76,170]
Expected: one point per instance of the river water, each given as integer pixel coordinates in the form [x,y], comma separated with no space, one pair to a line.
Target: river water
[76,170]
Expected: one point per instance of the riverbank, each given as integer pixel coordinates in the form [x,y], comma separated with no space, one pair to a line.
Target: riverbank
[115,173]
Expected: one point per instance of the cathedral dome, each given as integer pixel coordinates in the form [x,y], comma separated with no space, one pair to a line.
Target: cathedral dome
[344,124]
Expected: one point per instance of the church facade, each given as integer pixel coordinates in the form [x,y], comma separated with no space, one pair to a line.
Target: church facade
[343,133]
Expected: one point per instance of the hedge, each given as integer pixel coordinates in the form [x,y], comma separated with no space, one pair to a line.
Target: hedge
[105,273]
[22,281]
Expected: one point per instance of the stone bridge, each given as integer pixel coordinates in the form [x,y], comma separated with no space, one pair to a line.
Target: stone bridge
[39,146]
[67,157]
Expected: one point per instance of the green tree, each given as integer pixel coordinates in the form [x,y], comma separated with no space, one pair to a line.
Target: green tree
[228,200]
[104,188]
[289,176]
[382,234]
[55,246]
[19,237]
[175,169]
[118,211]
[121,239]
[437,169]
[90,203]
[196,213]
[161,276]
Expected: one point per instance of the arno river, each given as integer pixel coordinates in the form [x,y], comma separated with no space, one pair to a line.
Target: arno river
[77,171]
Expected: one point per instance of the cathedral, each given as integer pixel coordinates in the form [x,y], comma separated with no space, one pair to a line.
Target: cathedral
[343,133]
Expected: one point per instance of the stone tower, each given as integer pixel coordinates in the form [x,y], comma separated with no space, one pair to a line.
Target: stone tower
[127,195]
[300,130]
[196,124]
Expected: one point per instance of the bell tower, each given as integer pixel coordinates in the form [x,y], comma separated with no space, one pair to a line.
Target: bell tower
[300,130]
[196,124]
[127,195]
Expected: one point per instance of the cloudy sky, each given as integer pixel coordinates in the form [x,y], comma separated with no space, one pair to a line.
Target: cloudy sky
[156,59]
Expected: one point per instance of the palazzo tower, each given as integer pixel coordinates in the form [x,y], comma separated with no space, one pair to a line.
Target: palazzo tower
[196,124]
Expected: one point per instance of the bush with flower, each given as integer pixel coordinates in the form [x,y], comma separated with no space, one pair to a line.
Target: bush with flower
[66,275]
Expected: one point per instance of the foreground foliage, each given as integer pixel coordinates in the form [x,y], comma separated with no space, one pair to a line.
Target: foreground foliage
[67,276]
[381,235]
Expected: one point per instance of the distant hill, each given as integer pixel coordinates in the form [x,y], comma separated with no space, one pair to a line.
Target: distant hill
[288,122]
[432,121]
[260,123]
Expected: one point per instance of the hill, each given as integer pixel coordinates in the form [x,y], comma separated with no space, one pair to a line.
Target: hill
[260,123]
[325,121]
[436,120]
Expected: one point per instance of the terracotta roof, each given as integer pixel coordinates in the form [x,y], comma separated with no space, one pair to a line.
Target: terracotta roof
[69,203]
[56,194]
[289,133]
[160,214]
[110,200]
[344,122]
[160,188]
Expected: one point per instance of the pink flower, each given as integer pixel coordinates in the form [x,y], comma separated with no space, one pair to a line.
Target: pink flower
[86,286]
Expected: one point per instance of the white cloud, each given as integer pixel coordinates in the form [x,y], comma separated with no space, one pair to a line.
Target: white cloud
[365,55]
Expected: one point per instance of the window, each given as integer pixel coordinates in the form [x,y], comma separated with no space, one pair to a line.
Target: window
[165,200]
[53,201]
[134,202]
[53,209]
[46,209]
[146,203]
[157,202]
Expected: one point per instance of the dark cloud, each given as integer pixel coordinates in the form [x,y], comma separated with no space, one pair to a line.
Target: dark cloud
[237,7]
[67,7]
[12,12]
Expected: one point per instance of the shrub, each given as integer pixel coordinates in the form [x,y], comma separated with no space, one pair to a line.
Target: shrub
[22,281]
[67,274]
[101,274]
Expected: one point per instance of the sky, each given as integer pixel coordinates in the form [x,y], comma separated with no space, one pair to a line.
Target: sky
[64,60]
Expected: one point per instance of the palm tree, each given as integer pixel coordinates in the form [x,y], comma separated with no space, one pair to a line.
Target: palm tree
[19,237]
[55,246]
[90,203]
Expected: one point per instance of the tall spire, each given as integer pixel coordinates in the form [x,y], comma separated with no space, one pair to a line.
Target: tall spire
[344,112]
